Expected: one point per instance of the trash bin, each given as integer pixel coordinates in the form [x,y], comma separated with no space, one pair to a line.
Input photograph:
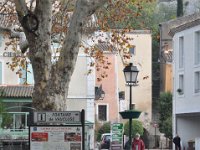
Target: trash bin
[191,145]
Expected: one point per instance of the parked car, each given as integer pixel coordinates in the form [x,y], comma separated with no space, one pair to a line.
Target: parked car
[105,141]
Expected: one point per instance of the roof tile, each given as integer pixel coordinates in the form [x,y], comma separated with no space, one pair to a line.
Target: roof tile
[16,91]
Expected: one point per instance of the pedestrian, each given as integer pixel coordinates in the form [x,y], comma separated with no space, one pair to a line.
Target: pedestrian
[138,143]
[177,142]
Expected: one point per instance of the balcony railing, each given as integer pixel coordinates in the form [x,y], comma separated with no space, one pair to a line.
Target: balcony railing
[14,134]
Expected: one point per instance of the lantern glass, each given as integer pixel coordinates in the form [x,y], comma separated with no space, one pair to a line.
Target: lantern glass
[130,73]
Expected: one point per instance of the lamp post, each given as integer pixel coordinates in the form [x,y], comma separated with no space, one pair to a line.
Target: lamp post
[130,73]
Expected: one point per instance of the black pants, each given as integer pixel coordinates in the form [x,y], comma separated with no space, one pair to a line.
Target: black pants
[177,147]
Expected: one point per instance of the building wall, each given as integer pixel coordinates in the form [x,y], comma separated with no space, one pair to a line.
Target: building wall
[115,82]
[8,76]
[187,102]
[81,88]
[78,81]
[191,125]
[109,86]
[186,111]
[141,94]
[165,59]
[167,77]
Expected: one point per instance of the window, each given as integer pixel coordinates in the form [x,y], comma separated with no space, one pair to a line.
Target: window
[181,84]
[27,75]
[197,48]
[122,95]
[181,52]
[197,81]
[23,77]
[132,50]
[30,79]
[102,112]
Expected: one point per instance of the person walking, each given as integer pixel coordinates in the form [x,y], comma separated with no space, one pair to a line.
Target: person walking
[177,142]
[138,143]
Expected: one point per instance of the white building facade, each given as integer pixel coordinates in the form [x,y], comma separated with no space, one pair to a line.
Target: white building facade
[186,78]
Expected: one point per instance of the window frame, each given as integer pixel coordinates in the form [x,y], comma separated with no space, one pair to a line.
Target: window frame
[132,52]
[197,48]
[106,113]
[181,52]
[181,84]
[197,82]
[27,74]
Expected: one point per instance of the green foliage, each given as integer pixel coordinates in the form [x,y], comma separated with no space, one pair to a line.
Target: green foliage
[7,120]
[6,117]
[105,128]
[167,128]
[165,110]
[150,16]
[136,128]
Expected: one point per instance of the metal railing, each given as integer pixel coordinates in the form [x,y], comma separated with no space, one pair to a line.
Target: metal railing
[14,134]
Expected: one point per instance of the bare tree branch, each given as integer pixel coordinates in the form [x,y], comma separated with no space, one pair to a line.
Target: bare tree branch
[16,32]
[94,5]
[21,8]
[70,48]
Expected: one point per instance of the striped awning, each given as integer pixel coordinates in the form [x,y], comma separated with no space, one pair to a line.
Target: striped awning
[17,91]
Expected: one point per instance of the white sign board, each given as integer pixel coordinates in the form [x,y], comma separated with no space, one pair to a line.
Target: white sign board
[55,138]
[57,117]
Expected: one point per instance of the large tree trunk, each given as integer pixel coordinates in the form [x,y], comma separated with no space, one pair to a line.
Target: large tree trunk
[52,79]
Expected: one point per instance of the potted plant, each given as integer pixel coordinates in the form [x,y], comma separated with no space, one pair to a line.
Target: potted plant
[180,91]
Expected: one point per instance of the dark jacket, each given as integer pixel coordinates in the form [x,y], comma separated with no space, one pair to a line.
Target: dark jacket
[177,141]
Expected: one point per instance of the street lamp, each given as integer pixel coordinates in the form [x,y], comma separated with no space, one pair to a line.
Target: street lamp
[130,73]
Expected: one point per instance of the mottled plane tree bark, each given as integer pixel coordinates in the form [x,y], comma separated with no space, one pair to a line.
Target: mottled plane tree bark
[44,21]
[52,80]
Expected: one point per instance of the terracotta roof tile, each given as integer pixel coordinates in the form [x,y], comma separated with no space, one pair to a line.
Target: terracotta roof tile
[16,91]
[183,23]
[106,47]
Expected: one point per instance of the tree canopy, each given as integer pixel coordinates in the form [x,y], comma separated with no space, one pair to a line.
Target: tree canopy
[37,24]
[137,127]
[165,110]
